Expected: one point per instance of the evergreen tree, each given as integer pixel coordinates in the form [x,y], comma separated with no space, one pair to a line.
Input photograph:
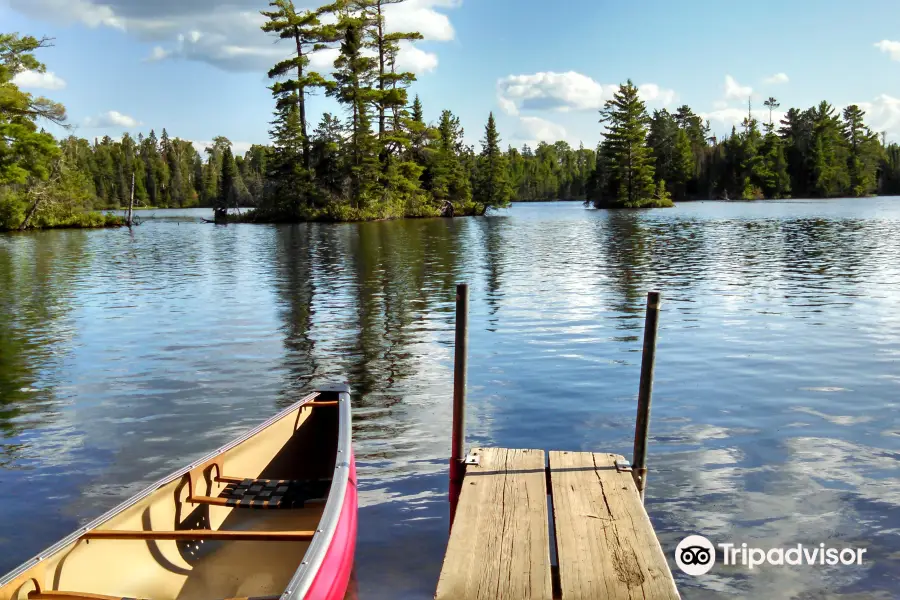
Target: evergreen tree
[354,75]
[828,155]
[289,196]
[796,134]
[776,182]
[772,103]
[327,156]
[227,194]
[629,160]
[447,176]
[419,134]
[308,36]
[674,157]
[390,85]
[492,188]
[864,152]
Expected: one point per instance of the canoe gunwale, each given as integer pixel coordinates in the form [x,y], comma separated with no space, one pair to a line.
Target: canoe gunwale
[305,575]
[77,534]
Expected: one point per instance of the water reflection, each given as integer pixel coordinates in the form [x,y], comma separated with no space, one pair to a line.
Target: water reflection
[122,356]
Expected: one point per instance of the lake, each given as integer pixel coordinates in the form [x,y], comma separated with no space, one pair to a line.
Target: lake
[126,354]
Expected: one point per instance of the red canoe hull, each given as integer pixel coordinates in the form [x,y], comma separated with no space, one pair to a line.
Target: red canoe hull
[333,578]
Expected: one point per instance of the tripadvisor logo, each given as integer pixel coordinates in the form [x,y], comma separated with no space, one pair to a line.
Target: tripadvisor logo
[696,555]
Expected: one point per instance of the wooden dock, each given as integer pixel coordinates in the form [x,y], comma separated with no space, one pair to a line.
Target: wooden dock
[500,545]
[574,528]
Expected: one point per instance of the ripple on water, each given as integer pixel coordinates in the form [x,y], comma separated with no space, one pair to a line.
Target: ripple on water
[127,354]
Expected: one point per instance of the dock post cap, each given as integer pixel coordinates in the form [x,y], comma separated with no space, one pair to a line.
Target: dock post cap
[335,388]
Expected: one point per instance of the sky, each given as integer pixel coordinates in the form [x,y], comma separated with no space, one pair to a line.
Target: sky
[198,67]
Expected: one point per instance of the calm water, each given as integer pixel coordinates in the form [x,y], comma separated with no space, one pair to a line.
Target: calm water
[125,355]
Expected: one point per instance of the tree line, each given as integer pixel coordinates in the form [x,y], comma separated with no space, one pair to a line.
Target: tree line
[379,158]
[644,160]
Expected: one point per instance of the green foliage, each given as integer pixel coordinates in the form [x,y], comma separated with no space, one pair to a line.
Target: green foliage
[673,152]
[492,187]
[627,178]
[864,152]
[26,152]
[380,158]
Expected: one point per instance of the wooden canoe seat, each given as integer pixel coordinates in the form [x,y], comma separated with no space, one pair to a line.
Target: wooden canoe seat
[245,492]
[268,493]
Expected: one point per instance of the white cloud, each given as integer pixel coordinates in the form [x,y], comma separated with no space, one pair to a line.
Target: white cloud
[890,47]
[66,11]
[720,104]
[39,81]
[566,92]
[722,119]
[734,90]
[652,93]
[159,53]
[883,114]
[534,129]
[226,33]
[562,92]
[112,118]
[777,78]
[237,148]
[419,15]
[411,58]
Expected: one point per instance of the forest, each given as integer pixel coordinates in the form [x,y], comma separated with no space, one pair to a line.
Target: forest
[379,158]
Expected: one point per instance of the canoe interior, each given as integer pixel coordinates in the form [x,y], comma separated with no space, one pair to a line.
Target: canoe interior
[301,444]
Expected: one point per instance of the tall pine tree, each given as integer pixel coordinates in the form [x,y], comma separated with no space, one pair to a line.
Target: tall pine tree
[627,159]
[492,189]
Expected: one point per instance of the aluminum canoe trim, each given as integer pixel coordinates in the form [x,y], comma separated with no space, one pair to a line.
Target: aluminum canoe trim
[302,580]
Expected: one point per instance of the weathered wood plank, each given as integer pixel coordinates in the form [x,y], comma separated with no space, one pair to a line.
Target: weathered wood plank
[500,546]
[605,543]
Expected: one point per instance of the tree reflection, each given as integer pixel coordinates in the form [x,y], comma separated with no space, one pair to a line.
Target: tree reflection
[37,274]
[627,251]
[492,231]
[296,286]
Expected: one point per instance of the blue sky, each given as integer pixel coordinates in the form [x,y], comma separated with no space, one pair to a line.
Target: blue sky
[197,67]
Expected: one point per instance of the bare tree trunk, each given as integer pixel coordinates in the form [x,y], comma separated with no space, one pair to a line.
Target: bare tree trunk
[31,211]
[130,215]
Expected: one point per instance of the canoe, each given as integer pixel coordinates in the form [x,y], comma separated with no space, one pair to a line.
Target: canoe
[270,515]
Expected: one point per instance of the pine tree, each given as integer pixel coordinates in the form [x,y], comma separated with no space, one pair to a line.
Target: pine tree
[629,160]
[492,189]
[828,153]
[796,134]
[308,35]
[227,194]
[289,196]
[446,176]
[390,84]
[776,181]
[327,156]
[419,134]
[674,157]
[864,152]
[772,103]
[354,75]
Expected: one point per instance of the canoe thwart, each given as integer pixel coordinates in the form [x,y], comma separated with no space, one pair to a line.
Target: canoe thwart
[201,534]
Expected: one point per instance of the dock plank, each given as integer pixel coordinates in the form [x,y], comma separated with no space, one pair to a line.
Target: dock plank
[605,542]
[499,546]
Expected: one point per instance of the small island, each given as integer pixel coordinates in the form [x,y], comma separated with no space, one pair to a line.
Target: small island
[381,159]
